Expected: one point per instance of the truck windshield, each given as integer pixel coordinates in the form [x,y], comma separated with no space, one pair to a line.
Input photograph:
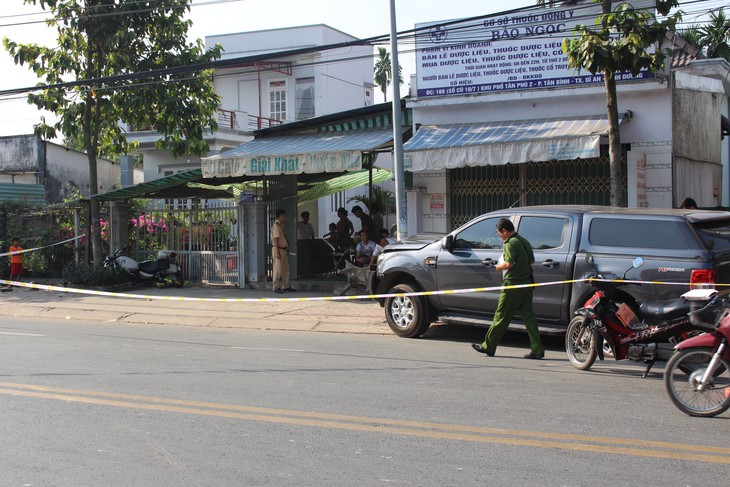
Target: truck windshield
[715,235]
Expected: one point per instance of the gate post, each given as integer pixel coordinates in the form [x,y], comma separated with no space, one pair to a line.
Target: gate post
[119,226]
[252,242]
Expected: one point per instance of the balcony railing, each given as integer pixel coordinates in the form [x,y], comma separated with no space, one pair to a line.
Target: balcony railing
[233,120]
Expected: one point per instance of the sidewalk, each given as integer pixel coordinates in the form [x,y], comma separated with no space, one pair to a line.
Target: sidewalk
[364,316]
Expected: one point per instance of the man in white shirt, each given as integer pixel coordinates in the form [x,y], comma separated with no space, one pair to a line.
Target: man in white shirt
[384,242]
[305,230]
[364,250]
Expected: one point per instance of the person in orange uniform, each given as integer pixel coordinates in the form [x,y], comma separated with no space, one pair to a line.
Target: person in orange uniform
[16,261]
[280,254]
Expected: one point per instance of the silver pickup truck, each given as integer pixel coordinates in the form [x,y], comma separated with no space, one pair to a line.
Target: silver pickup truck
[683,246]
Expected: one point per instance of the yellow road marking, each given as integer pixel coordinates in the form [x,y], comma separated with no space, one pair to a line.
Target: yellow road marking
[381,425]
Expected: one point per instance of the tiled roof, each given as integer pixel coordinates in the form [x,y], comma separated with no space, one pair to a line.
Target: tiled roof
[682,51]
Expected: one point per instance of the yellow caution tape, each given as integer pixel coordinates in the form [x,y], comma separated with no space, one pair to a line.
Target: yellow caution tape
[92,292]
[24,251]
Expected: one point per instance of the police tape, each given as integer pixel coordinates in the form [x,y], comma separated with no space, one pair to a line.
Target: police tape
[151,297]
[660,283]
[43,247]
[93,292]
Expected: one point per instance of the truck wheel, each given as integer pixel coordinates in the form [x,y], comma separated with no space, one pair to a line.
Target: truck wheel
[406,315]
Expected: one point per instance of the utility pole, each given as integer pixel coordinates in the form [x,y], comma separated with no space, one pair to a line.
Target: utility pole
[401,214]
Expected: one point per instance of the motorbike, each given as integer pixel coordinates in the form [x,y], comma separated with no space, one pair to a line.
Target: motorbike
[647,333]
[697,376]
[163,271]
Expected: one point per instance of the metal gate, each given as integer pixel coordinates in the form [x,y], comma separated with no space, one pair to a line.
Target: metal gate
[203,233]
[478,190]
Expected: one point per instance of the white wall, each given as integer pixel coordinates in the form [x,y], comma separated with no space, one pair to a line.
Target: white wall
[156,162]
[66,165]
[340,80]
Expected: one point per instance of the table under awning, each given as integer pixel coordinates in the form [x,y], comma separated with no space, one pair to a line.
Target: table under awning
[324,152]
[435,147]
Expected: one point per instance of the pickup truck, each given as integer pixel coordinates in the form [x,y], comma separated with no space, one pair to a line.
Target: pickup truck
[683,246]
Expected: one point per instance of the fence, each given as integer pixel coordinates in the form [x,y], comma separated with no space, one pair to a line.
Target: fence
[202,233]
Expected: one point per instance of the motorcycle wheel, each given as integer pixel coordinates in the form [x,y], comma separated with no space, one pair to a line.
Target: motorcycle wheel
[681,386]
[582,354]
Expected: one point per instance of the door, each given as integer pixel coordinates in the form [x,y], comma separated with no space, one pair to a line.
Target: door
[550,240]
[463,268]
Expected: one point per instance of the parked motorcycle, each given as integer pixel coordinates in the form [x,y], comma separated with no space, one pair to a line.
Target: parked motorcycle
[697,377]
[163,271]
[647,334]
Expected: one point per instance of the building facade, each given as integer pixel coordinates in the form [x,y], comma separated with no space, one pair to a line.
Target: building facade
[502,121]
[262,94]
[47,172]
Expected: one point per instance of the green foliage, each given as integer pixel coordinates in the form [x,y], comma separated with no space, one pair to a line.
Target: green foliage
[84,274]
[622,40]
[713,37]
[98,40]
[384,71]
[381,197]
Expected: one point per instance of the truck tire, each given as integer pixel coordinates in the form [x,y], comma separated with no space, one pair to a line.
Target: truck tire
[407,316]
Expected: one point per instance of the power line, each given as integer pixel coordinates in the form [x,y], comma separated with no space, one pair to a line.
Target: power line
[98,83]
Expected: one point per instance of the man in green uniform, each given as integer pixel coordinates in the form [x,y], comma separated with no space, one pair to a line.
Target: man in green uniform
[516,268]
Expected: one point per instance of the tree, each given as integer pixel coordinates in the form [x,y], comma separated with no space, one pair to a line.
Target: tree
[383,73]
[713,37]
[98,39]
[381,197]
[622,40]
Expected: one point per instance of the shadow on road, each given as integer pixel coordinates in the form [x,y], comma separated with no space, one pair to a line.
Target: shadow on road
[474,334]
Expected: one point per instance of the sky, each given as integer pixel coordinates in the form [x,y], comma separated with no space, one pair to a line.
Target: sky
[358,18]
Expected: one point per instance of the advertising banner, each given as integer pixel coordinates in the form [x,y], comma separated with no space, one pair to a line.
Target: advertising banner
[510,52]
[290,164]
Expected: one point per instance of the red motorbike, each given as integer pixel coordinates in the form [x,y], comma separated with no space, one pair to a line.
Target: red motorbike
[697,377]
[645,334]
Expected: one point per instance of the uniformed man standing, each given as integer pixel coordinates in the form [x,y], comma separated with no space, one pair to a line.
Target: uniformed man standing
[280,254]
[516,268]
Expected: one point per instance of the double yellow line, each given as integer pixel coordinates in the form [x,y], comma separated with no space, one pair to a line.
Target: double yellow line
[442,431]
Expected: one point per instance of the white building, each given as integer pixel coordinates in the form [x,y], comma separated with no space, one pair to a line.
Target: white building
[261,94]
[504,121]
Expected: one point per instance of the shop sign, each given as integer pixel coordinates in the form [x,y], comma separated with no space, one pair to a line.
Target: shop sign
[285,164]
[510,52]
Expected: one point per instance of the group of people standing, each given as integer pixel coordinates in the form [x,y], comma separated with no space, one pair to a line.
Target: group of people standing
[372,238]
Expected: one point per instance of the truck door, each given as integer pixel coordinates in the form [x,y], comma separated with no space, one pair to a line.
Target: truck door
[464,267]
[550,239]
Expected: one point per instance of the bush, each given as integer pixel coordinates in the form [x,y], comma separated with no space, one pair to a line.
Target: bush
[84,274]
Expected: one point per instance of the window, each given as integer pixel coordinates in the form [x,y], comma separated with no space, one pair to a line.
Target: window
[338,200]
[277,100]
[543,232]
[305,98]
[648,234]
[481,235]
[715,235]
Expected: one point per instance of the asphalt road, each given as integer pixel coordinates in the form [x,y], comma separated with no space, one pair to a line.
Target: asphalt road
[86,403]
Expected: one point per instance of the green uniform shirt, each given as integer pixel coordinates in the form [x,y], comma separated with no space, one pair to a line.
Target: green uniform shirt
[518,252]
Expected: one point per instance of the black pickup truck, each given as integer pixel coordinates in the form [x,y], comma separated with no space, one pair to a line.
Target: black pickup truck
[687,246]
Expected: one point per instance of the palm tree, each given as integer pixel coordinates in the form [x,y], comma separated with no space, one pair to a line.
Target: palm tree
[712,38]
[383,72]
[715,36]
[381,197]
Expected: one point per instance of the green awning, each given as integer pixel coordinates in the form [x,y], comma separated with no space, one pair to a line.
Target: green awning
[156,188]
[341,183]
[192,184]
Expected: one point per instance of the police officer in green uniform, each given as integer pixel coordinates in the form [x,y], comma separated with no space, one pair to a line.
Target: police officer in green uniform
[515,265]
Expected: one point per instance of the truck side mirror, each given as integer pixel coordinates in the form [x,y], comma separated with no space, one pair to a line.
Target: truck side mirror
[447,243]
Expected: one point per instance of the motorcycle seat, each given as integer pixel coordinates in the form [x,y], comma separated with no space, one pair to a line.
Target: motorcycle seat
[665,310]
[152,266]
